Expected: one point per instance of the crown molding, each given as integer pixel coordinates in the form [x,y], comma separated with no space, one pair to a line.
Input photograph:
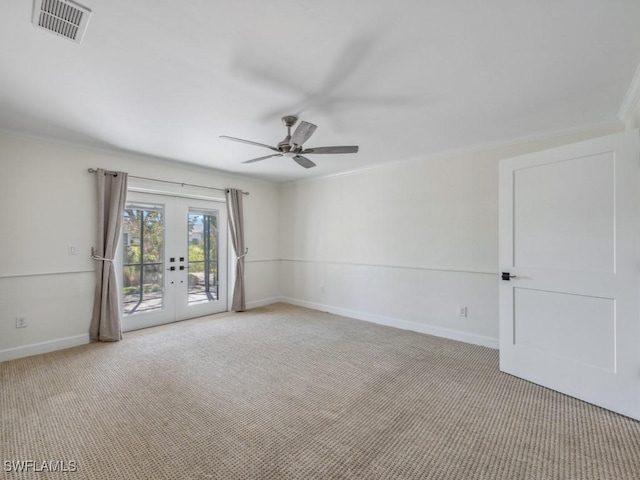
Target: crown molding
[631,99]
[591,130]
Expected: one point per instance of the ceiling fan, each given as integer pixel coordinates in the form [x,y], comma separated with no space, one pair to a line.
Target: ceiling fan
[292,145]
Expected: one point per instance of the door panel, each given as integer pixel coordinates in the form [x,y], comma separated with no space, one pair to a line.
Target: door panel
[571,226]
[570,319]
[578,328]
[143,262]
[204,290]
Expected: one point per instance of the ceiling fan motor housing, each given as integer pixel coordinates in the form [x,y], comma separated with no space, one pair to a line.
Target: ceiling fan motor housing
[285,145]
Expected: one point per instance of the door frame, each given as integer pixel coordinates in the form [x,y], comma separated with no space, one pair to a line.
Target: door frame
[145,321]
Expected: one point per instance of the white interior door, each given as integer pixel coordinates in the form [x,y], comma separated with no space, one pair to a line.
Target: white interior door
[569,316]
[174,259]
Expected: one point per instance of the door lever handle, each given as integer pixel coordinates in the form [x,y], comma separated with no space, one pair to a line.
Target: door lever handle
[507,276]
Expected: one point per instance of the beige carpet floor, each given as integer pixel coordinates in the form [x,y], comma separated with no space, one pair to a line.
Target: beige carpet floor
[287,393]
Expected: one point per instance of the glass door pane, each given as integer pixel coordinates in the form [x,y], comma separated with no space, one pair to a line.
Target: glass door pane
[143,262]
[203,256]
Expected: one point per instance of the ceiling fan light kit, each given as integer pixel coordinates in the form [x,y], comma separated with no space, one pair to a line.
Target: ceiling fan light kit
[292,145]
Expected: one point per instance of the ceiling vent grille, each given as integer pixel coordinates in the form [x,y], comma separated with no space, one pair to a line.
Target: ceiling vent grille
[62,17]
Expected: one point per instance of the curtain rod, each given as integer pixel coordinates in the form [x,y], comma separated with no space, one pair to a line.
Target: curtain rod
[182,184]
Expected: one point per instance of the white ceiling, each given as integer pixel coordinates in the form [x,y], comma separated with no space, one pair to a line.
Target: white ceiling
[401,78]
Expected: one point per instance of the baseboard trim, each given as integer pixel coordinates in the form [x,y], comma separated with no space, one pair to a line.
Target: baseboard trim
[263,302]
[68,342]
[402,324]
[43,347]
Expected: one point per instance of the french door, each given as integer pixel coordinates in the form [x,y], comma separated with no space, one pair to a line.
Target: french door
[173,262]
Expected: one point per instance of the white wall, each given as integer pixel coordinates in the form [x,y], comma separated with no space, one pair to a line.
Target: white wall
[47,201]
[404,244]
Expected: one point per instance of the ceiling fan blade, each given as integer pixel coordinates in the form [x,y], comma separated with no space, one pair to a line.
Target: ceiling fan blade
[249,142]
[345,149]
[262,158]
[302,133]
[304,161]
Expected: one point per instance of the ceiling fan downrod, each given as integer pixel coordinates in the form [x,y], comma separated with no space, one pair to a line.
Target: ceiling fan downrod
[288,121]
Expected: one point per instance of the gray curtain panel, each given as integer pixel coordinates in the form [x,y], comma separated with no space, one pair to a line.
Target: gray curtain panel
[236,228]
[112,194]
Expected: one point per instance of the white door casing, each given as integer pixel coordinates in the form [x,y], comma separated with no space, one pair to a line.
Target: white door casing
[570,318]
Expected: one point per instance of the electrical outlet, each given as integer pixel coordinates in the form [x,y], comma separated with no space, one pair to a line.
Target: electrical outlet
[321,288]
[72,249]
[21,322]
[462,311]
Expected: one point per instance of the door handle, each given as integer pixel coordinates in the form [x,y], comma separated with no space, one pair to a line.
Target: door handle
[507,276]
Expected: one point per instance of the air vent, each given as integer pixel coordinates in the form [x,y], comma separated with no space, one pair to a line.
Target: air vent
[62,17]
